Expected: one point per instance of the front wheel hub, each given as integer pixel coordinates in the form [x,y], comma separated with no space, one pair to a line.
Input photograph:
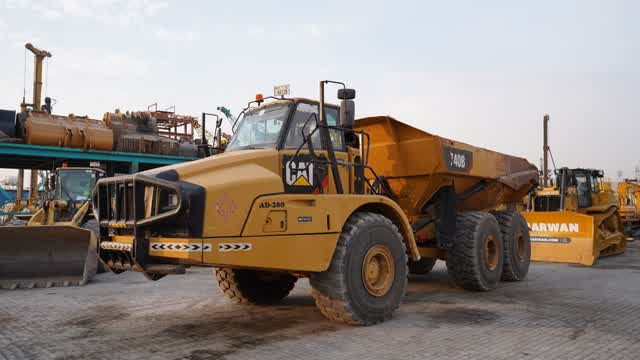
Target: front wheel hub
[378,270]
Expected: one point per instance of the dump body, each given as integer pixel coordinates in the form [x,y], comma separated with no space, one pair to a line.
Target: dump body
[417,164]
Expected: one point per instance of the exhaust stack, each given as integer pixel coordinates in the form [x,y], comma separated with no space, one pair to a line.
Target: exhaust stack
[545,150]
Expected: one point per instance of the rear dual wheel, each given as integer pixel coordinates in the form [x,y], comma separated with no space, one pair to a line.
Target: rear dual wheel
[489,247]
[476,258]
[517,245]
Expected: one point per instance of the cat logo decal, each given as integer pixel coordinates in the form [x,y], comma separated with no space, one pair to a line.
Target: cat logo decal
[301,175]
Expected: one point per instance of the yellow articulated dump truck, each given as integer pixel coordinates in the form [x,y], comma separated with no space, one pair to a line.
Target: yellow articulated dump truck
[304,190]
[575,221]
[628,194]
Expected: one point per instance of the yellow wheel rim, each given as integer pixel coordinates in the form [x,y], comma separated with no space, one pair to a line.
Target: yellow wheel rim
[491,252]
[378,270]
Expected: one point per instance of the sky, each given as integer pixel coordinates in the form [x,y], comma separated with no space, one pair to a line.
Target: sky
[481,72]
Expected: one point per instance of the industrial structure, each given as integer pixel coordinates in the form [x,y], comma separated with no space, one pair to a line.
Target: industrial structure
[36,139]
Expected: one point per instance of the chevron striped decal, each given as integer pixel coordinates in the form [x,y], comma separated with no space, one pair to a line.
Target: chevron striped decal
[112,245]
[179,247]
[224,247]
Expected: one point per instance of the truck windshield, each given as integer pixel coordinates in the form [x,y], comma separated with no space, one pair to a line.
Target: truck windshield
[75,185]
[259,128]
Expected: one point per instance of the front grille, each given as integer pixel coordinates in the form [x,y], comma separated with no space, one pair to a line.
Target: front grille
[547,203]
[137,200]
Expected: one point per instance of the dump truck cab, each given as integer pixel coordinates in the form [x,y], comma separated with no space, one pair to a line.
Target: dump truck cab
[296,194]
[576,220]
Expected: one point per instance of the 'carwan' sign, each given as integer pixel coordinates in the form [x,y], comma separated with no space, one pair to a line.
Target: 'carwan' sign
[555,227]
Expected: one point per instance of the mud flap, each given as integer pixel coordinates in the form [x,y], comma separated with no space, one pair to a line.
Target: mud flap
[45,256]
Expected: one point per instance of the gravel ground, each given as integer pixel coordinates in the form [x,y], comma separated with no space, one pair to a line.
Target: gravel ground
[559,312]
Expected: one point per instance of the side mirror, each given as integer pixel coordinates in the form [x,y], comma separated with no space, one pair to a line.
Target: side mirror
[346,94]
[347,113]
[52,181]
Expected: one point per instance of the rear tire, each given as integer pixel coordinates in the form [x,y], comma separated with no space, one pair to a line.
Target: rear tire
[367,277]
[517,245]
[476,259]
[422,266]
[254,286]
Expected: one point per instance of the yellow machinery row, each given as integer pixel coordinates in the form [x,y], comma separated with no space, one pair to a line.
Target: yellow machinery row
[305,190]
[577,218]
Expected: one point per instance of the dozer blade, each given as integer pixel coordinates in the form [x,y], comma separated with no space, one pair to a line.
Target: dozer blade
[45,256]
[565,237]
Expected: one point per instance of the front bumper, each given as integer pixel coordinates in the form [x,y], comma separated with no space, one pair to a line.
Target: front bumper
[131,208]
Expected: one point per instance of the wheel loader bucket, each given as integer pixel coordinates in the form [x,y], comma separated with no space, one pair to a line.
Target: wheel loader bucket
[45,256]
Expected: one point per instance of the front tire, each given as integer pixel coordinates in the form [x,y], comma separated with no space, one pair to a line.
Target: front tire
[476,259]
[253,286]
[367,277]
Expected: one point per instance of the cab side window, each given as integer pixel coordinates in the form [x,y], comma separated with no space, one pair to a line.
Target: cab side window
[304,118]
[584,190]
[595,185]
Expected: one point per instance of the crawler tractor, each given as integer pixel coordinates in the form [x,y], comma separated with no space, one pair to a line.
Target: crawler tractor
[303,190]
[574,221]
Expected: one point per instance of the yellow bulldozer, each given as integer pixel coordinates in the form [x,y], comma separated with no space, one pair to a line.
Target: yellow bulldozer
[628,194]
[574,221]
[58,245]
[304,190]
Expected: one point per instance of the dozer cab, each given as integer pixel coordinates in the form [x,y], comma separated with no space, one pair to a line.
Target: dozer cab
[57,247]
[575,221]
[628,194]
[303,190]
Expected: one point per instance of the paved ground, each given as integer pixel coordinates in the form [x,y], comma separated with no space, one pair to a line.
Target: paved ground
[560,312]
